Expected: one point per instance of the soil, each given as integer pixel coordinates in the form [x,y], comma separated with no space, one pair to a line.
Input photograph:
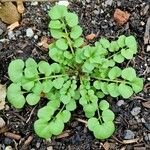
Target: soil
[95,17]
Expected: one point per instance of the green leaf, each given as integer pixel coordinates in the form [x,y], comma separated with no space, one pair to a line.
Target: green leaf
[125,90]
[32,99]
[30,62]
[128,74]
[56,55]
[68,55]
[47,86]
[114,73]
[76,31]
[62,44]
[100,94]
[71,19]
[104,131]
[92,122]
[65,99]
[108,115]
[127,53]
[137,84]
[89,110]
[87,67]
[55,67]
[42,129]
[37,89]
[27,84]
[57,12]
[56,33]
[97,84]
[78,42]
[58,83]
[104,42]
[118,58]
[121,41]
[55,24]
[71,105]
[113,46]
[14,96]
[46,112]
[30,72]
[15,70]
[56,127]
[44,68]
[103,105]
[108,63]
[54,103]
[113,89]
[131,43]
[104,87]
[65,116]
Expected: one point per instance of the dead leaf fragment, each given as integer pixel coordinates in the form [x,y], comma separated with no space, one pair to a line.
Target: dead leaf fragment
[13,26]
[91,36]
[2,96]
[146,104]
[9,13]
[121,17]
[43,42]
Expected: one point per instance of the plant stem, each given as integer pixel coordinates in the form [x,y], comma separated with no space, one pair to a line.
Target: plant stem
[67,37]
[109,80]
[99,116]
[113,55]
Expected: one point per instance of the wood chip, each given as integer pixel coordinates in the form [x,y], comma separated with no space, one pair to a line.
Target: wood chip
[121,17]
[27,142]
[130,141]
[139,148]
[20,6]
[147,32]
[146,104]
[63,135]
[12,135]
[81,120]
[90,36]
[13,26]
[2,96]
[106,146]
[43,42]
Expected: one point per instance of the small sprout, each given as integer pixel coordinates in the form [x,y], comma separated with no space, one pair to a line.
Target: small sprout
[76,73]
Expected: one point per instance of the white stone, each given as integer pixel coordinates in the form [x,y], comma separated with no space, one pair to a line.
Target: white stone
[148,48]
[11,35]
[29,32]
[2,122]
[135,111]
[63,2]
[34,3]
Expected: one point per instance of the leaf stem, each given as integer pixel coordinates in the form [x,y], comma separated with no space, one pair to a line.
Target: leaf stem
[109,80]
[99,116]
[67,37]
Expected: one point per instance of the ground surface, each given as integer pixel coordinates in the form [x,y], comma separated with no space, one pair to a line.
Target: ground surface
[132,117]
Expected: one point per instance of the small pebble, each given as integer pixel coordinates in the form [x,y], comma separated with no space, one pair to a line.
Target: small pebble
[135,111]
[50,148]
[11,35]
[34,3]
[35,37]
[2,122]
[128,134]
[108,2]
[1,31]
[148,48]
[120,103]
[29,32]
[8,141]
[96,12]
[2,27]
[8,148]
[63,2]
[88,1]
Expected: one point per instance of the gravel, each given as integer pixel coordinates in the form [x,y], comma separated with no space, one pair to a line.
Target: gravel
[2,27]
[128,134]
[120,103]
[11,35]
[148,48]
[29,32]
[135,111]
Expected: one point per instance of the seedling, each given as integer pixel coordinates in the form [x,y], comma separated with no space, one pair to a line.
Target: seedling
[84,76]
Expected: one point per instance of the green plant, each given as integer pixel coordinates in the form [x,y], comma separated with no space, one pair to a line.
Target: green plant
[78,76]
